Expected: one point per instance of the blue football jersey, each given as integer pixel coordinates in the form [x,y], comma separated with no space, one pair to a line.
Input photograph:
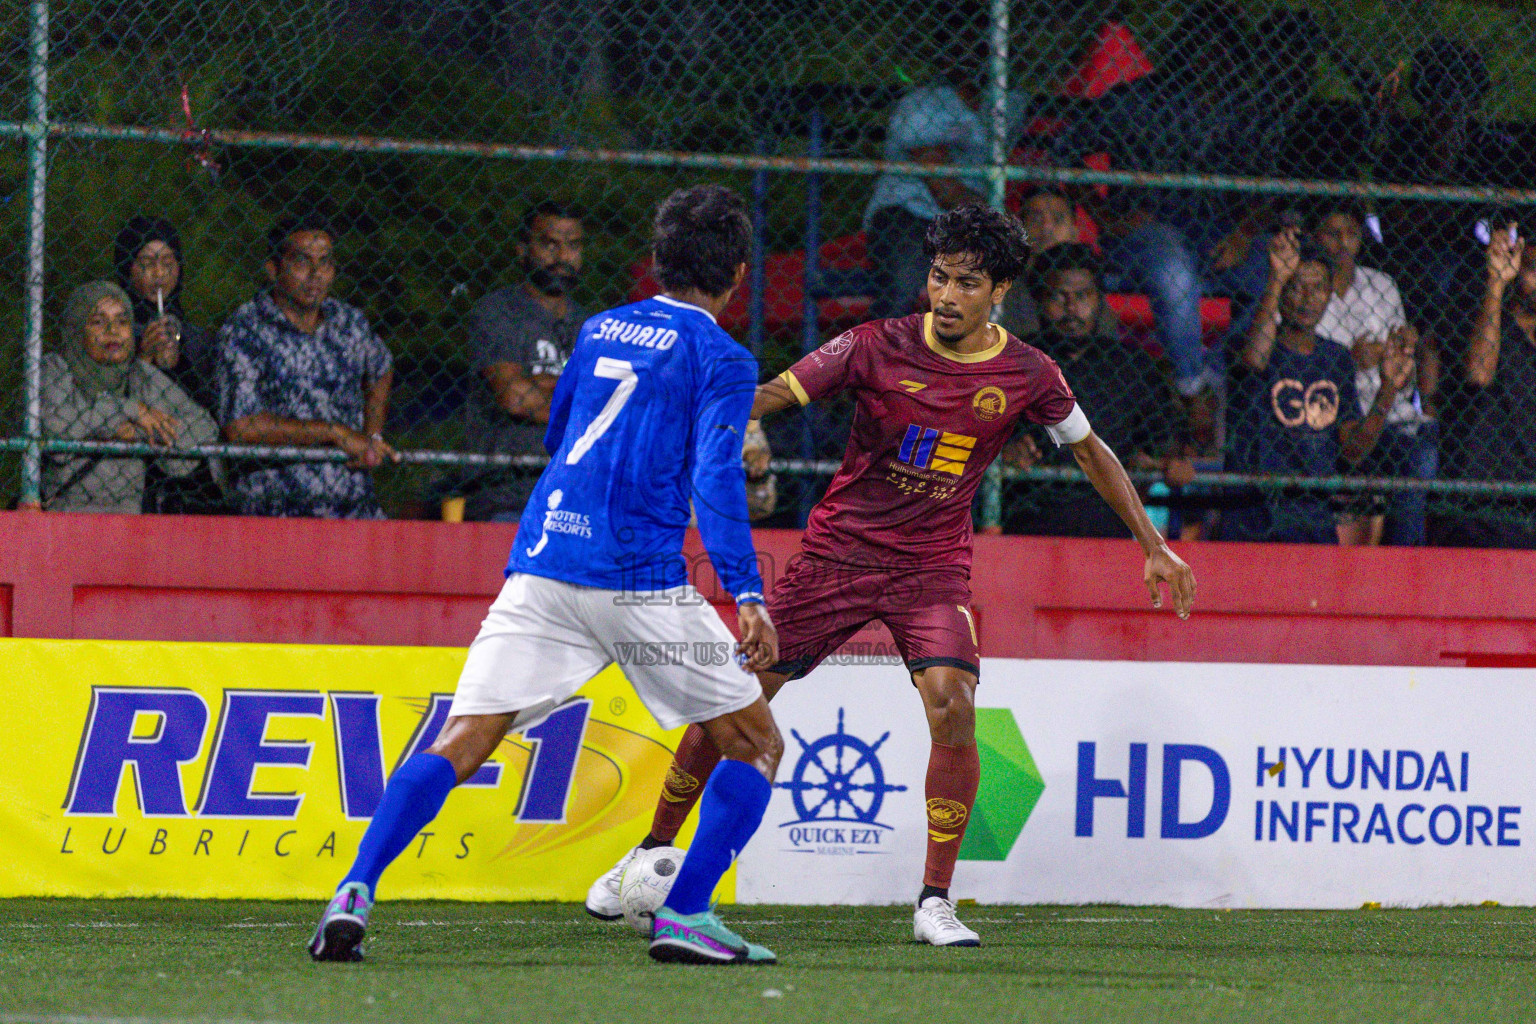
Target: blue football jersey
[649,413]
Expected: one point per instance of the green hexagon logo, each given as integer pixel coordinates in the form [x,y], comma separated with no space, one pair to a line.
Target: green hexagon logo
[1010,787]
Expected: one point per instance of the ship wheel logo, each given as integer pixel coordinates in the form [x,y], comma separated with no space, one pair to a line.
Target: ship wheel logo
[839,778]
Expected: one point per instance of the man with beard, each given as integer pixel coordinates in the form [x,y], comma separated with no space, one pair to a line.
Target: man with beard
[1304,415]
[1050,219]
[520,337]
[1134,409]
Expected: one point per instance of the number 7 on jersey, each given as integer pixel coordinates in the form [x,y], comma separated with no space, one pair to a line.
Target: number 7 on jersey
[623,371]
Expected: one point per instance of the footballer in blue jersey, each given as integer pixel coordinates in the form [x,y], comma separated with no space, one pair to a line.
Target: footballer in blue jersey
[646,422]
[649,415]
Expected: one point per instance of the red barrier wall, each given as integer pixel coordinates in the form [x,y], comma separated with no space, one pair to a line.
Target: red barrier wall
[420,583]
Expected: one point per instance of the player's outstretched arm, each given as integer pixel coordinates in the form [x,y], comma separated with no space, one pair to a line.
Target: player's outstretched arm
[1109,478]
[774,396]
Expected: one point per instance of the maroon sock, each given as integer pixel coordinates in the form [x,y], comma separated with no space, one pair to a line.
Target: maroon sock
[691,766]
[953,774]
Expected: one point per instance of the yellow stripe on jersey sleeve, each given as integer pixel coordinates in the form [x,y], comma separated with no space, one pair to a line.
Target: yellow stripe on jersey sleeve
[788,377]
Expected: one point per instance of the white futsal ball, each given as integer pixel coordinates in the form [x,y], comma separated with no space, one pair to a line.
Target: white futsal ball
[646,882]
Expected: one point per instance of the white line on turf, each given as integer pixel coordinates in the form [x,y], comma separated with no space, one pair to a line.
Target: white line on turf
[75,1018]
[72,924]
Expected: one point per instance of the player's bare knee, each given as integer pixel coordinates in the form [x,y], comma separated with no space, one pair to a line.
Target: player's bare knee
[754,744]
[766,754]
[754,741]
[951,713]
[466,742]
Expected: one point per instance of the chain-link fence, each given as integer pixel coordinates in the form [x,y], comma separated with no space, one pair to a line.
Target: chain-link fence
[1277,247]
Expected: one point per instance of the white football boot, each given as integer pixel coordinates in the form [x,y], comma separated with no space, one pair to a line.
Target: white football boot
[935,923]
[603,898]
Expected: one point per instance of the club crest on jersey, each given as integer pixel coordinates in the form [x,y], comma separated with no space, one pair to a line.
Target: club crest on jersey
[989,403]
[941,451]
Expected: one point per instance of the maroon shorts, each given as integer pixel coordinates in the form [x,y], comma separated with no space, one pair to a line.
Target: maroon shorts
[817,606]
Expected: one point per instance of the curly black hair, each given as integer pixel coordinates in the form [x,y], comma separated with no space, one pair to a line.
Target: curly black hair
[702,234]
[994,242]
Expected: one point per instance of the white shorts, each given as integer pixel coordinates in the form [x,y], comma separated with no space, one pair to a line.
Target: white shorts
[544,638]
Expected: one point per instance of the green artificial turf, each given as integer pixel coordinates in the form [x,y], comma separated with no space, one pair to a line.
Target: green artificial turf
[172,960]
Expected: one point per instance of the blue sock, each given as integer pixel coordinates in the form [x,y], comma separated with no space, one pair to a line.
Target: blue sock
[730,811]
[412,798]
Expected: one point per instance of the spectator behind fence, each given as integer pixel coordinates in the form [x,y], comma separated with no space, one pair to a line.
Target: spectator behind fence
[1498,439]
[93,389]
[1119,386]
[1194,114]
[519,338]
[1303,414]
[1365,315]
[299,368]
[1050,219]
[1437,262]
[147,255]
[933,125]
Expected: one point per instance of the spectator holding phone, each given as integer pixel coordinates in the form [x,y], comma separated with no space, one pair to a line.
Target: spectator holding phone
[1365,315]
[1498,441]
[1303,413]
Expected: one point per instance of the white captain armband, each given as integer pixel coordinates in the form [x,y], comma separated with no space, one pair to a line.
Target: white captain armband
[1072,429]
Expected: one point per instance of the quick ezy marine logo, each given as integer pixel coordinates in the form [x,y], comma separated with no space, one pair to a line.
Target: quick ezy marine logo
[838,786]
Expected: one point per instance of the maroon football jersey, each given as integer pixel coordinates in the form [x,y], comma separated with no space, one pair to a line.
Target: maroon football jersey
[928,423]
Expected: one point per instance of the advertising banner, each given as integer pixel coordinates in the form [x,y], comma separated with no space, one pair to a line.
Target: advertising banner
[250,770]
[1183,784]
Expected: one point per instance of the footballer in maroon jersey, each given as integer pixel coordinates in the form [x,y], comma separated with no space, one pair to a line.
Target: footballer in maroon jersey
[937,397]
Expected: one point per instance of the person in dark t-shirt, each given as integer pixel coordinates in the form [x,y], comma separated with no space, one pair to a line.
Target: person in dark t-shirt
[1050,217]
[1496,439]
[1133,407]
[1302,411]
[520,338]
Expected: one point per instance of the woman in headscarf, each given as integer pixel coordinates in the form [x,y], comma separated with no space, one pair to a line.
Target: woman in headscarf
[95,389]
[147,255]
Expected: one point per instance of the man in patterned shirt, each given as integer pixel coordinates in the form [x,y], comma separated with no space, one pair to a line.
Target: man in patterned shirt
[937,396]
[298,368]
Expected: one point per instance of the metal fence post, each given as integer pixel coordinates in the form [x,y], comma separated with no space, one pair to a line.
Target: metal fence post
[814,419]
[758,280]
[992,486]
[37,189]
